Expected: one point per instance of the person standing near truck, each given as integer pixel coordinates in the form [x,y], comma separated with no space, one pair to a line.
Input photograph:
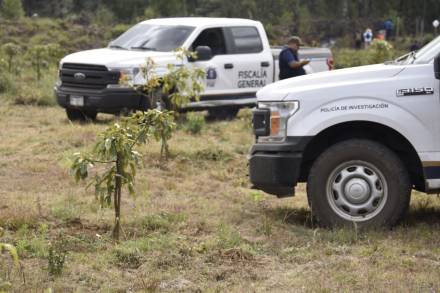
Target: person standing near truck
[290,65]
[368,37]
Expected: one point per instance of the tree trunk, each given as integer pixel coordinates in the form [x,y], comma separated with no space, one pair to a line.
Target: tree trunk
[117,199]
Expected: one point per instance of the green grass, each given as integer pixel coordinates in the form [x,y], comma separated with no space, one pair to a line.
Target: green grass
[195,224]
[25,89]
[20,85]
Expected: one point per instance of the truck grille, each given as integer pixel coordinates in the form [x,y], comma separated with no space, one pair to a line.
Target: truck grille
[85,76]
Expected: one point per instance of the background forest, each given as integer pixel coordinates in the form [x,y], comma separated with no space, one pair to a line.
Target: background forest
[314,18]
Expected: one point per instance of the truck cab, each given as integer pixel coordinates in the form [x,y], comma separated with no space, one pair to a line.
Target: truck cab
[361,138]
[235,53]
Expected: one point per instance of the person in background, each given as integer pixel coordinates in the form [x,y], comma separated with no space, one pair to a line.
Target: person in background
[290,65]
[414,46]
[358,40]
[388,26]
[368,37]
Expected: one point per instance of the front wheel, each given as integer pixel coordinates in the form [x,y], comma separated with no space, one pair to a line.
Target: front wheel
[358,181]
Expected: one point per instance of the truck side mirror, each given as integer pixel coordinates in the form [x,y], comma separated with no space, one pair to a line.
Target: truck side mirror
[204,53]
[437,66]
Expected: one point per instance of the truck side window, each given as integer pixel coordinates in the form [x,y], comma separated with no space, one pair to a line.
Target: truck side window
[246,40]
[213,38]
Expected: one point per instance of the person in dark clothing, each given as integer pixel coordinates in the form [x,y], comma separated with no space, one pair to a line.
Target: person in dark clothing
[414,46]
[290,65]
[389,26]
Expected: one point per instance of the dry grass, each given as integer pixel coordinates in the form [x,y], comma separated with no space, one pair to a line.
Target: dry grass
[195,225]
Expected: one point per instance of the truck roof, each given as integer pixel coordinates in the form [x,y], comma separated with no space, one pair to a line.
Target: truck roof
[201,21]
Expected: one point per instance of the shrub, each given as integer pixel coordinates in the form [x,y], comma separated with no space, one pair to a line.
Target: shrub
[194,123]
[5,286]
[162,222]
[11,51]
[56,259]
[345,58]
[7,84]
[104,16]
[12,9]
[127,257]
[30,92]
[212,154]
[228,237]
[54,53]
[380,51]
[38,55]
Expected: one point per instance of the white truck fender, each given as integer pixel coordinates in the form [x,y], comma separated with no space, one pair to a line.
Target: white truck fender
[314,121]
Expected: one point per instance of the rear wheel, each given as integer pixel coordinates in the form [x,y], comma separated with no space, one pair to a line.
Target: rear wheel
[156,101]
[358,181]
[81,115]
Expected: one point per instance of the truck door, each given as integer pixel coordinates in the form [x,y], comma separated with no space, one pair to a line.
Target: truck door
[218,74]
[252,65]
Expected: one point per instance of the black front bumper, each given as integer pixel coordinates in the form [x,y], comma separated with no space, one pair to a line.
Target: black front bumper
[275,168]
[105,101]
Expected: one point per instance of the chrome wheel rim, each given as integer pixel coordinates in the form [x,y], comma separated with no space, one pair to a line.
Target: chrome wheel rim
[357,191]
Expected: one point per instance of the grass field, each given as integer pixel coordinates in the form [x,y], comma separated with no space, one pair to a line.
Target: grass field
[195,225]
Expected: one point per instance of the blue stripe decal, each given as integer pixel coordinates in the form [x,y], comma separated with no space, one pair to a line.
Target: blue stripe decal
[432,172]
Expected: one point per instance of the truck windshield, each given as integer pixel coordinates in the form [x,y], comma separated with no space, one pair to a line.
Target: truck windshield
[428,52]
[423,56]
[163,38]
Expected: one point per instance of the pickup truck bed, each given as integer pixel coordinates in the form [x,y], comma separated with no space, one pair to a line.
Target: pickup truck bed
[321,59]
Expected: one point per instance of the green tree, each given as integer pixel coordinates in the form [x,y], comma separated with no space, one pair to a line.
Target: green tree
[116,150]
[12,9]
[380,51]
[11,51]
[116,146]
[104,16]
[39,57]
[11,250]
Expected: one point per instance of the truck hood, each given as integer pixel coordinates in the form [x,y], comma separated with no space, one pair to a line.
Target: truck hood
[116,58]
[295,87]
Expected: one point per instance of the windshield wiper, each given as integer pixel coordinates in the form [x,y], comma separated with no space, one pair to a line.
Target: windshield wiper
[117,47]
[413,56]
[404,58]
[143,48]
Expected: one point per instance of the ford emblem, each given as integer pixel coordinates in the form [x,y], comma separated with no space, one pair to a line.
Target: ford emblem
[79,76]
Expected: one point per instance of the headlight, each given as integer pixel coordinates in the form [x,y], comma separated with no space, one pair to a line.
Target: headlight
[279,112]
[128,77]
[58,82]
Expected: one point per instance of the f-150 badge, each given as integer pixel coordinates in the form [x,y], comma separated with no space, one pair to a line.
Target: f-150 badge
[415,91]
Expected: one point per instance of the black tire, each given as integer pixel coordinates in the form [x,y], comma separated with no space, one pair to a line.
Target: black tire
[222,113]
[145,103]
[77,115]
[360,181]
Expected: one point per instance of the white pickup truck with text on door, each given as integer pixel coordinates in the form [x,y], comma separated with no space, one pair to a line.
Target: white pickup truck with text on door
[235,54]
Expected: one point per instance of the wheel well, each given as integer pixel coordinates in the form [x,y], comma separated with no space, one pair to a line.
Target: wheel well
[367,130]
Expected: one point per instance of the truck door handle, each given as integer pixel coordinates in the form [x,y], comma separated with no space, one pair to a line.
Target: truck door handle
[265,64]
[229,66]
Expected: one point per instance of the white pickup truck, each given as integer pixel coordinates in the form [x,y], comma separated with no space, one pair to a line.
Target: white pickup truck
[234,52]
[361,138]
